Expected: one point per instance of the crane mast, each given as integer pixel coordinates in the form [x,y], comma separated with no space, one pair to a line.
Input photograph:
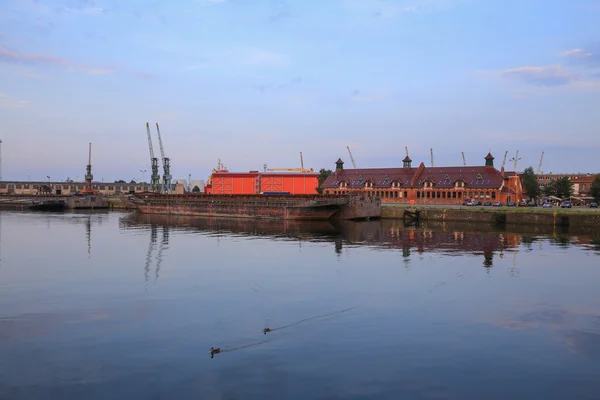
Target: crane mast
[351,158]
[431,151]
[166,185]
[155,178]
[88,174]
[516,159]
[463,156]
[539,171]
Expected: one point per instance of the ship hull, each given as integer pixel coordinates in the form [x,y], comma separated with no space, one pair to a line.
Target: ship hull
[86,202]
[290,207]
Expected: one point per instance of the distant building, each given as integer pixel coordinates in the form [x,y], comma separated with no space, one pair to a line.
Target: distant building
[425,185]
[66,188]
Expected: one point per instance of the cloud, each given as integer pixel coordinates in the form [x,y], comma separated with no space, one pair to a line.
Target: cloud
[37,59]
[7,102]
[262,58]
[588,58]
[553,75]
[12,56]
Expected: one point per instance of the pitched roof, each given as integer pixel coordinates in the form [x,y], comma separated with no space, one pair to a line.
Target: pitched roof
[407,159]
[475,177]
[380,177]
[489,156]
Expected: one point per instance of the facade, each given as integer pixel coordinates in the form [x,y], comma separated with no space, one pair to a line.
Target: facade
[254,182]
[69,188]
[427,185]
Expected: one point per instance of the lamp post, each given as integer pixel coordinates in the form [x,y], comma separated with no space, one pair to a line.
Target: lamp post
[143,171]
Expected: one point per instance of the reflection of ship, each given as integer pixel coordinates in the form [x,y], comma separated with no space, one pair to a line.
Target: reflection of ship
[87,198]
[250,227]
[278,207]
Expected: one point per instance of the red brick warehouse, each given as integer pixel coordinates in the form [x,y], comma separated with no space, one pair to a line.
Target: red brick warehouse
[422,185]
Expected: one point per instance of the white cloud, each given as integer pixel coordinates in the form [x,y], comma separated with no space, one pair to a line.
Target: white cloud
[553,75]
[7,102]
[576,53]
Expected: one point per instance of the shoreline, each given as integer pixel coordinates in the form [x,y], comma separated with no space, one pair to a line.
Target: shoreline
[517,216]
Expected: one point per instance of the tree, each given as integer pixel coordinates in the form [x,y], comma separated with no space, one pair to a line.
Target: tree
[595,188]
[550,189]
[132,182]
[323,174]
[120,181]
[564,187]
[530,184]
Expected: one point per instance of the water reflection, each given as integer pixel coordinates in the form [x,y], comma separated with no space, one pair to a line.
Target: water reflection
[487,241]
[164,242]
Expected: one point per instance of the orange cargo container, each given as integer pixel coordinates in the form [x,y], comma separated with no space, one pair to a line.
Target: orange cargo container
[235,183]
[292,183]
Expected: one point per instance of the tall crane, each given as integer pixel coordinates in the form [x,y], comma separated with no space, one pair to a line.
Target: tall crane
[539,171]
[504,161]
[516,159]
[166,186]
[301,161]
[88,173]
[431,151]
[155,178]
[463,156]
[351,158]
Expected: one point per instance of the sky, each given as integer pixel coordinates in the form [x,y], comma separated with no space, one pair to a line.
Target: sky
[254,82]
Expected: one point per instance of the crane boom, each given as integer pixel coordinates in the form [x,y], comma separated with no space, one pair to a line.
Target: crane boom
[463,156]
[504,161]
[406,148]
[166,185]
[155,178]
[301,161]
[539,171]
[431,151]
[516,159]
[351,158]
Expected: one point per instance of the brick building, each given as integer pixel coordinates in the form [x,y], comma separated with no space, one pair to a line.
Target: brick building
[427,185]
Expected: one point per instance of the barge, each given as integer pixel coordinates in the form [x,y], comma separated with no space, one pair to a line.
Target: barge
[260,206]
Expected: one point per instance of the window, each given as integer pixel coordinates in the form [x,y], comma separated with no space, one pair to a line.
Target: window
[489,181]
[405,194]
[477,182]
[472,181]
[459,195]
[447,176]
[387,178]
[428,195]
[479,176]
[443,195]
[360,177]
[493,195]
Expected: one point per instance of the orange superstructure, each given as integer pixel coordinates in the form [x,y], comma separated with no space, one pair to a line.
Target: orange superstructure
[254,182]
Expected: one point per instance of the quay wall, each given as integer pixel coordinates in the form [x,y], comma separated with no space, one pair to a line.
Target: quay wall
[551,218]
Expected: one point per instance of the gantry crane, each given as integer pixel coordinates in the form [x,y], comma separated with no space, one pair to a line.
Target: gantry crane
[463,156]
[539,171]
[351,158]
[166,185]
[155,178]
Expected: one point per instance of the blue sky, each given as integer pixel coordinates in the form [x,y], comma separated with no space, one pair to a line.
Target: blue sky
[254,82]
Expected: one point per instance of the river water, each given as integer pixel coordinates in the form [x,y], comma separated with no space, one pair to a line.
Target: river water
[126,306]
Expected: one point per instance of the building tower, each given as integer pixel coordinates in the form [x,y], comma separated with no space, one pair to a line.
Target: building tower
[339,165]
[489,160]
[406,163]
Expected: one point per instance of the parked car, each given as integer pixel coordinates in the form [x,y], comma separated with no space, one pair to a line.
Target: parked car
[566,204]
[467,202]
[523,203]
[593,205]
[511,204]
[496,204]
[487,204]
[547,205]
[475,203]
[532,204]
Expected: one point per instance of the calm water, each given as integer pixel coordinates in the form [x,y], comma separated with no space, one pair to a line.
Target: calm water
[119,306]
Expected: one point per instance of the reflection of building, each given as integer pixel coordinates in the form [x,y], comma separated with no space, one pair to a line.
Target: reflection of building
[423,185]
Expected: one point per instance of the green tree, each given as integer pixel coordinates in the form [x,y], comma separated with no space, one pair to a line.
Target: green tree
[550,189]
[120,181]
[530,184]
[564,187]
[323,174]
[595,188]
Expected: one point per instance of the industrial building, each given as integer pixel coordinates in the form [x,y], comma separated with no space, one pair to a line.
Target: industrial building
[427,185]
[255,182]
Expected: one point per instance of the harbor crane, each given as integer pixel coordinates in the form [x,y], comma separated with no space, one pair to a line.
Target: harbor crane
[166,185]
[351,158]
[301,161]
[155,178]
[431,151]
[539,171]
[463,156]
[516,159]
[88,173]
[504,161]
[301,169]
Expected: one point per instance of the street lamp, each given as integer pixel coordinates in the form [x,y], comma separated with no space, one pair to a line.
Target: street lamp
[143,171]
